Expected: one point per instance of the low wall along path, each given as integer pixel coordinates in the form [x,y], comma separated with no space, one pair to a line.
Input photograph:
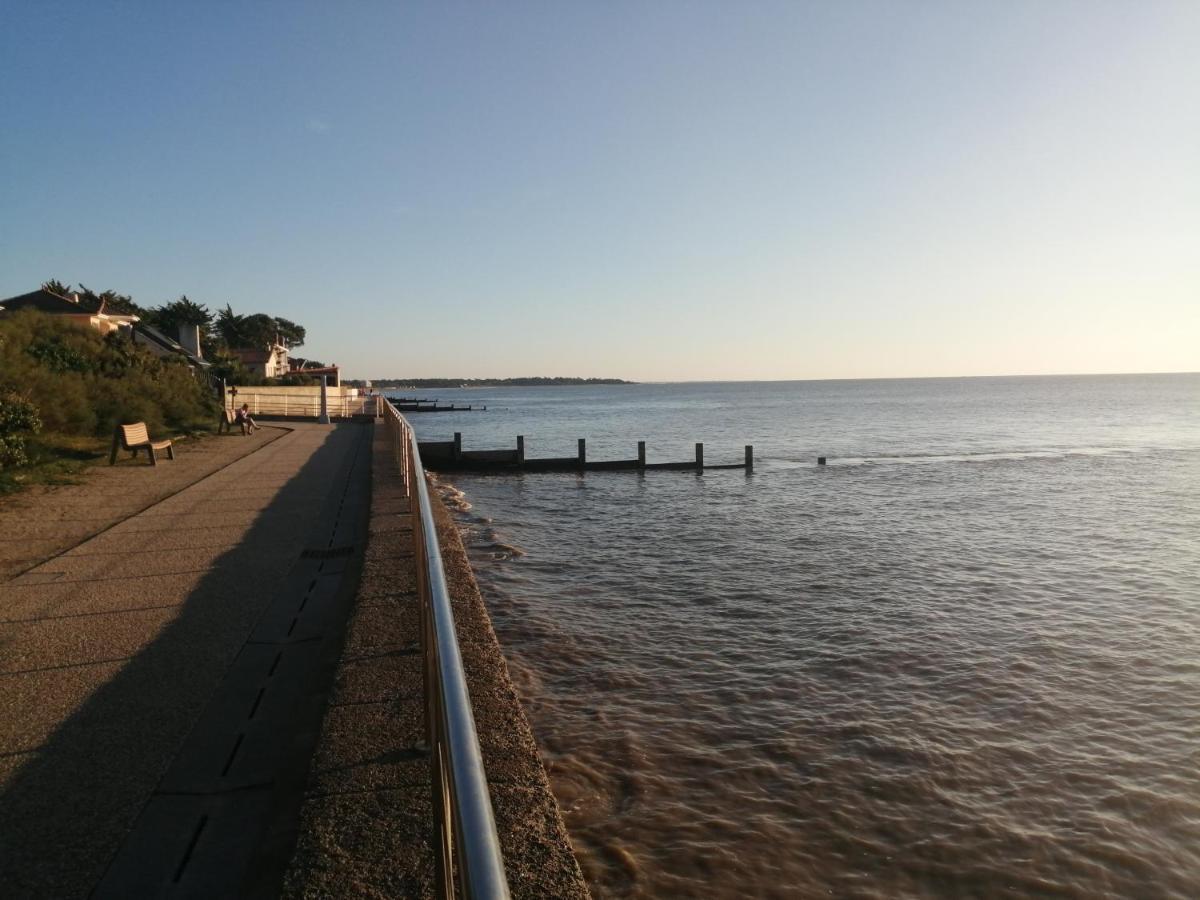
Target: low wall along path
[365,828]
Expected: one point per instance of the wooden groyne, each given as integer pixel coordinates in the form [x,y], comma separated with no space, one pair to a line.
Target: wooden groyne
[424,406]
[449,456]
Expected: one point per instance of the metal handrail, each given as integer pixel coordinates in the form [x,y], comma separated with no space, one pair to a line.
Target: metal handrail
[465,829]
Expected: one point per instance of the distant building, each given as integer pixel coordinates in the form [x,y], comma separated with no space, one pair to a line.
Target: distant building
[269,362]
[313,369]
[71,307]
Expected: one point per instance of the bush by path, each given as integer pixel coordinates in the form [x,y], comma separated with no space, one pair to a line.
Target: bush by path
[78,384]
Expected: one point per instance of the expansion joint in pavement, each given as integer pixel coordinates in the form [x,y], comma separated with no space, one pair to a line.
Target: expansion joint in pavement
[222,820]
[253,786]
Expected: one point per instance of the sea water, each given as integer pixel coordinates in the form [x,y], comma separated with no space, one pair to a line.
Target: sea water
[961,659]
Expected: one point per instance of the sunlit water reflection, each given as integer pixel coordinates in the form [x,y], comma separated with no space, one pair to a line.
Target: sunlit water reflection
[960,660]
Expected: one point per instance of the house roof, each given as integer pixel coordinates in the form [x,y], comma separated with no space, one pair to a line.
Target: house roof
[154,336]
[47,302]
[56,304]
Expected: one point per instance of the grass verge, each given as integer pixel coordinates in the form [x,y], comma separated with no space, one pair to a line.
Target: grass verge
[56,459]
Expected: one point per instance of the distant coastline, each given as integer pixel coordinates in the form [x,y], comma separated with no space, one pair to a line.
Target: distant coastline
[394,383]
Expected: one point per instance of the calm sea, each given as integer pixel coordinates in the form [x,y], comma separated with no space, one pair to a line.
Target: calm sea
[963,659]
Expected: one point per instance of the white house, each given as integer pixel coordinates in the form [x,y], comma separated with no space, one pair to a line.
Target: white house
[270,362]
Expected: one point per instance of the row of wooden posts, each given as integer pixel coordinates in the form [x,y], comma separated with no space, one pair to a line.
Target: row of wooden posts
[451,455]
[405,404]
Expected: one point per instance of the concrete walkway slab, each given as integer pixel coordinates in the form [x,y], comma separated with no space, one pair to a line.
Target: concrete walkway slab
[183,711]
[42,521]
[111,651]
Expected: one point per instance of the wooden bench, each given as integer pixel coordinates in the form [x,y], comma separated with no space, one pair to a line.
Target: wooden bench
[134,438]
[228,420]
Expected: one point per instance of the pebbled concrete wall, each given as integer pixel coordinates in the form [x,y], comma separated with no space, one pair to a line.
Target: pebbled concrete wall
[366,822]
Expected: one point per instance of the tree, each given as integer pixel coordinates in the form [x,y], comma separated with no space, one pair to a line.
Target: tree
[231,327]
[183,311]
[290,334]
[55,286]
[259,330]
[112,302]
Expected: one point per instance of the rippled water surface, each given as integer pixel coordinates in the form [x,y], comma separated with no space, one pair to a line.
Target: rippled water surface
[963,659]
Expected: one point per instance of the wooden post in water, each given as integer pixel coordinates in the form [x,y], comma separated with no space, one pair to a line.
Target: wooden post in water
[641,454]
[521,449]
[582,453]
[699,456]
[749,457]
[457,446]
[820,460]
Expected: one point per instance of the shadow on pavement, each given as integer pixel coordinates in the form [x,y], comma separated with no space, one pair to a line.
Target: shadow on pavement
[66,811]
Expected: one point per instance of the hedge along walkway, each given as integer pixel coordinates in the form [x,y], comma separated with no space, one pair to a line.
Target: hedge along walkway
[113,654]
[366,825]
[43,521]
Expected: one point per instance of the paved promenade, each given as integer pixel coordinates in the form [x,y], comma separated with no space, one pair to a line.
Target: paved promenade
[160,681]
[45,520]
[184,711]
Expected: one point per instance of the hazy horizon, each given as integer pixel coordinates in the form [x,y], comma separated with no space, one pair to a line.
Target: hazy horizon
[771,380]
[666,192]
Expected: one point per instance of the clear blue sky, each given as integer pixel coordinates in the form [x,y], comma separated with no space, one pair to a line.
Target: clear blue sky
[657,191]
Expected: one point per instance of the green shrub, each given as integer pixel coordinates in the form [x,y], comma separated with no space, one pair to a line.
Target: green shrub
[57,356]
[17,417]
[84,384]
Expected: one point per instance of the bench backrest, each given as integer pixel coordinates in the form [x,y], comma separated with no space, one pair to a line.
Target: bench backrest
[230,416]
[134,434]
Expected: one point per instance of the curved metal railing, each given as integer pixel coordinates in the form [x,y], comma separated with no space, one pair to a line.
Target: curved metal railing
[465,830]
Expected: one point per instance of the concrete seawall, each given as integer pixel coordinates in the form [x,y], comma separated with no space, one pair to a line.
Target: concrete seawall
[367,820]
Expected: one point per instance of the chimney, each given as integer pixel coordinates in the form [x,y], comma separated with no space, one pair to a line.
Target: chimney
[189,339]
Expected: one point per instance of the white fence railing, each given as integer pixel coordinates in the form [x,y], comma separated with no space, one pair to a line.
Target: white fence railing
[264,403]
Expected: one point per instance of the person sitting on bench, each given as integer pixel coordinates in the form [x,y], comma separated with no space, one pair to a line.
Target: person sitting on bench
[243,418]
